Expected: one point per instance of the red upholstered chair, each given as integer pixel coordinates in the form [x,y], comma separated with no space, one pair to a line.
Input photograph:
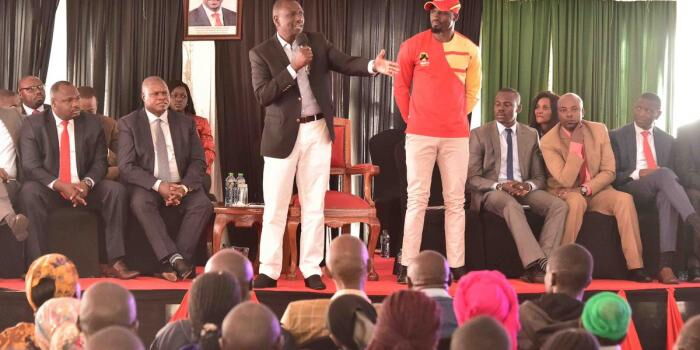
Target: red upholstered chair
[341,207]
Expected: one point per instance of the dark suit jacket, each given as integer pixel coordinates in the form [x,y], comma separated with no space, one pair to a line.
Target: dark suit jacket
[38,146]
[688,155]
[198,17]
[278,92]
[137,156]
[13,122]
[485,159]
[624,145]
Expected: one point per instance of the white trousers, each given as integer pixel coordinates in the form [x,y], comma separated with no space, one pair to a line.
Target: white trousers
[310,161]
[452,157]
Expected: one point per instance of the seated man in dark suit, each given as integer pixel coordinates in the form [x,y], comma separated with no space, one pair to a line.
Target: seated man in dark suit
[430,274]
[687,159]
[161,161]
[88,103]
[211,13]
[643,162]
[31,93]
[506,170]
[64,161]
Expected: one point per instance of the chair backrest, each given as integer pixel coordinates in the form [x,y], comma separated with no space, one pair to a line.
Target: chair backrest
[381,149]
[341,152]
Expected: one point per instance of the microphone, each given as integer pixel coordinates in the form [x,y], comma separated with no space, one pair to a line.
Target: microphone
[303,40]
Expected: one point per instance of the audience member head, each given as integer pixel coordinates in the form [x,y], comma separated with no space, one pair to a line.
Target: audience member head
[569,271]
[607,316]
[443,15]
[570,111]
[51,276]
[647,109]
[88,99]
[544,114]
[212,296]
[9,99]
[571,339]
[155,95]
[107,304]
[67,337]
[408,320]
[348,262]
[428,270]
[52,315]
[488,293]
[288,17]
[235,263]
[31,91]
[115,338]
[65,100]
[350,321]
[251,326]
[180,97]
[689,338]
[506,106]
[481,332]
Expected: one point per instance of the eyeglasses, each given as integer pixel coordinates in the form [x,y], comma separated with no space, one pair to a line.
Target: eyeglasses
[35,88]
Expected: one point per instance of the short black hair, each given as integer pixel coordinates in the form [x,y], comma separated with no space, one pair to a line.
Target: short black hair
[87,92]
[58,85]
[573,265]
[510,90]
[650,96]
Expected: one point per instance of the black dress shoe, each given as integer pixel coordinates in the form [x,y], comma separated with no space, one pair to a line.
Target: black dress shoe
[314,282]
[533,274]
[458,272]
[639,275]
[403,272]
[264,281]
[694,274]
[184,269]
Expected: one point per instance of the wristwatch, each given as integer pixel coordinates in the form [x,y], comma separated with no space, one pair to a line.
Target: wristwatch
[584,191]
[88,182]
[499,187]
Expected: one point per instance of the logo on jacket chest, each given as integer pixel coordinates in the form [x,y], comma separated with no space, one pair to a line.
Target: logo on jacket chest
[423,59]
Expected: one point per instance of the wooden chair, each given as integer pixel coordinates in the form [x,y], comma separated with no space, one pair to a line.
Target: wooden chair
[341,207]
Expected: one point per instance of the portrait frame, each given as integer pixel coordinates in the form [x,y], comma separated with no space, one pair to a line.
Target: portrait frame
[198,26]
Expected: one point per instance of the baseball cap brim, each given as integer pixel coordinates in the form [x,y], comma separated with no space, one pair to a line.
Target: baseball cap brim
[443,6]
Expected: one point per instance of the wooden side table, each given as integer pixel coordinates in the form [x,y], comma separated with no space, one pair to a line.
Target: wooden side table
[243,217]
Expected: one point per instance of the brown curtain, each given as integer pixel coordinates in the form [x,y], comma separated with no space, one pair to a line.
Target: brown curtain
[26,31]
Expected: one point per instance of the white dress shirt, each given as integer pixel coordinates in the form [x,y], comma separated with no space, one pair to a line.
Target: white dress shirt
[8,152]
[503,174]
[71,136]
[641,160]
[174,173]
[29,111]
[209,13]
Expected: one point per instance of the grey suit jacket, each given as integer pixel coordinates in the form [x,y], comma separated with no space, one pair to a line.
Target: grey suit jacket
[198,17]
[39,149]
[137,156]
[687,155]
[624,145]
[278,92]
[485,159]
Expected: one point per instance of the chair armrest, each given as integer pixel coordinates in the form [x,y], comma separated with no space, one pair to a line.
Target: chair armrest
[368,171]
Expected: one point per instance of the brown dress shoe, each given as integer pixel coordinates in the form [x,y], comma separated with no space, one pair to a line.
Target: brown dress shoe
[119,270]
[666,276]
[18,224]
[167,273]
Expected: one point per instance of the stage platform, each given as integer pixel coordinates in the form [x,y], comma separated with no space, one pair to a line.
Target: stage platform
[156,297]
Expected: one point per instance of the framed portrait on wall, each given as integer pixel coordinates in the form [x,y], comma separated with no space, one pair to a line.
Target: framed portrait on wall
[213,19]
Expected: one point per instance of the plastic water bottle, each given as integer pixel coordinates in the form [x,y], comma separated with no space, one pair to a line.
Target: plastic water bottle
[242,190]
[230,189]
[384,241]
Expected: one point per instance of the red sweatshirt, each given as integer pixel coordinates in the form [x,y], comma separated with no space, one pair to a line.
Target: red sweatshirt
[438,85]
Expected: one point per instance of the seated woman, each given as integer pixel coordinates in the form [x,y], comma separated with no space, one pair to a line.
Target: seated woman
[181,101]
[49,276]
[544,112]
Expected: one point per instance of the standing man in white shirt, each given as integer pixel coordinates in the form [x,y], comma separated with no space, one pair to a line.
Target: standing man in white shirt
[10,123]
[31,93]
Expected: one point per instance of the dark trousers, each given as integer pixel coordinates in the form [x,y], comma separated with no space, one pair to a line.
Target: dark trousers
[694,254]
[196,210]
[108,198]
[662,188]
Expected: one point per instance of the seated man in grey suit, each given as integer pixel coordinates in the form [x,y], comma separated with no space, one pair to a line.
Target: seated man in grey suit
[506,170]
[643,162]
[10,122]
[688,167]
[64,161]
[211,13]
[430,274]
[161,161]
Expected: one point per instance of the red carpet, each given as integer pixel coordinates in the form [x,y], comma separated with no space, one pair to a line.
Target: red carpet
[385,286]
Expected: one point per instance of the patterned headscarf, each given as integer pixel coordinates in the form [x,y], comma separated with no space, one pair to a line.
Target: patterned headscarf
[60,269]
[53,314]
[67,337]
[488,293]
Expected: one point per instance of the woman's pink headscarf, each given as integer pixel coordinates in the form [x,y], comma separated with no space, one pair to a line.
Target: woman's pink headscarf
[488,293]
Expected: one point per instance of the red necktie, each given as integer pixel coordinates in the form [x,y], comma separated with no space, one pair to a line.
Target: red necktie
[648,154]
[64,165]
[217,18]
